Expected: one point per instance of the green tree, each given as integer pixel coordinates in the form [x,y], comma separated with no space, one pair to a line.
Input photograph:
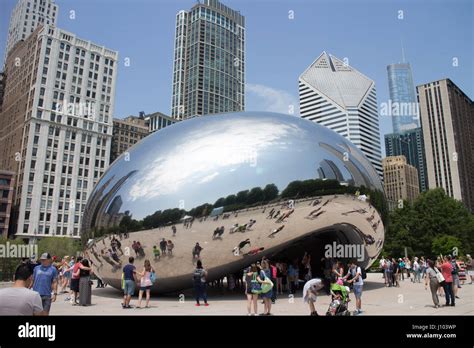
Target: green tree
[9,264]
[219,203]
[242,196]
[445,244]
[433,214]
[270,192]
[230,199]
[59,246]
[255,196]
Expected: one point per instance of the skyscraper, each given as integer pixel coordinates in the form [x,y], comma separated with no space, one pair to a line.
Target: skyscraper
[339,97]
[158,120]
[2,88]
[209,61]
[127,132]
[57,125]
[7,183]
[400,180]
[447,119]
[403,105]
[26,17]
[410,144]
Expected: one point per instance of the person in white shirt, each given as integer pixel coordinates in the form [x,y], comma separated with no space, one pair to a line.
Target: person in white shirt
[416,270]
[355,272]
[19,299]
[382,266]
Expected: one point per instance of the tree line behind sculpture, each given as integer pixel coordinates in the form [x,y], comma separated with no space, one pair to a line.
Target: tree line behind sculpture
[247,199]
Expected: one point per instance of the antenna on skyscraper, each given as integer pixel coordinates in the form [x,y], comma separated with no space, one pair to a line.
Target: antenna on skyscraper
[403,51]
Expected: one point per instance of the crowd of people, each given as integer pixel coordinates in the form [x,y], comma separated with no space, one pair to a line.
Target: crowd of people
[36,285]
[444,276]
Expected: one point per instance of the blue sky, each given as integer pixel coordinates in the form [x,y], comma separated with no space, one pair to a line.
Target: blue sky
[279,49]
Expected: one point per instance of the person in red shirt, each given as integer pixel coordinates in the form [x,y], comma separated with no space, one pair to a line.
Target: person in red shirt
[76,277]
[446,270]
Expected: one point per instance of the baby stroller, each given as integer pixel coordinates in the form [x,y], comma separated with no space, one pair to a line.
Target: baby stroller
[340,300]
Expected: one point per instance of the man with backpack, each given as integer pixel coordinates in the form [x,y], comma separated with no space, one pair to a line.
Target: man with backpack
[356,274]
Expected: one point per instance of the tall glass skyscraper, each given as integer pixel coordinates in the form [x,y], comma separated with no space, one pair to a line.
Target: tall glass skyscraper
[209,61]
[407,136]
[409,144]
[403,104]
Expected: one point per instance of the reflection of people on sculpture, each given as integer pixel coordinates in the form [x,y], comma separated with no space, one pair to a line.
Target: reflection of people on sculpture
[114,248]
[360,211]
[270,214]
[233,228]
[197,251]
[275,231]
[140,251]
[250,223]
[173,228]
[163,245]
[242,244]
[135,248]
[285,215]
[116,245]
[379,243]
[242,228]
[156,253]
[276,215]
[218,232]
[169,247]
[315,202]
[108,258]
[312,217]
[313,212]
[369,240]
[255,251]
[114,256]
[376,225]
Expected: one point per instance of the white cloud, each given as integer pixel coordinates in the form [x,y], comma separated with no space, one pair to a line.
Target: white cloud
[199,159]
[271,99]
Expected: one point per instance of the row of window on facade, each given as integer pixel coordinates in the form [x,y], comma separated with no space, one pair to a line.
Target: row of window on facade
[45,230]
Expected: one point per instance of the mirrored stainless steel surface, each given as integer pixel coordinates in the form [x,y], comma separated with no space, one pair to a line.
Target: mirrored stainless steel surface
[242,185]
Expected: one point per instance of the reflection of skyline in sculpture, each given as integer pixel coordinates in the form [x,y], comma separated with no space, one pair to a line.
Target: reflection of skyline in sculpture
[173,176]
[97,211]
[239,167]
[328,170]
[349,158]
[113,212]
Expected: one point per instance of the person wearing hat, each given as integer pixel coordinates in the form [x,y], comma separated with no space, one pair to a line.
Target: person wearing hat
[310,293]
[45,281]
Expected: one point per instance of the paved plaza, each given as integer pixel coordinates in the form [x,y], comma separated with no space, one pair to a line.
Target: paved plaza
[408,299]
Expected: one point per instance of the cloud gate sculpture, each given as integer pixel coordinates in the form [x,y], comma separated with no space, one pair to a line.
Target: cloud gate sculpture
[243,185]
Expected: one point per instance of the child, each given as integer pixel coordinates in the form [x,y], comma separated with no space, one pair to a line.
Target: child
[156,252]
